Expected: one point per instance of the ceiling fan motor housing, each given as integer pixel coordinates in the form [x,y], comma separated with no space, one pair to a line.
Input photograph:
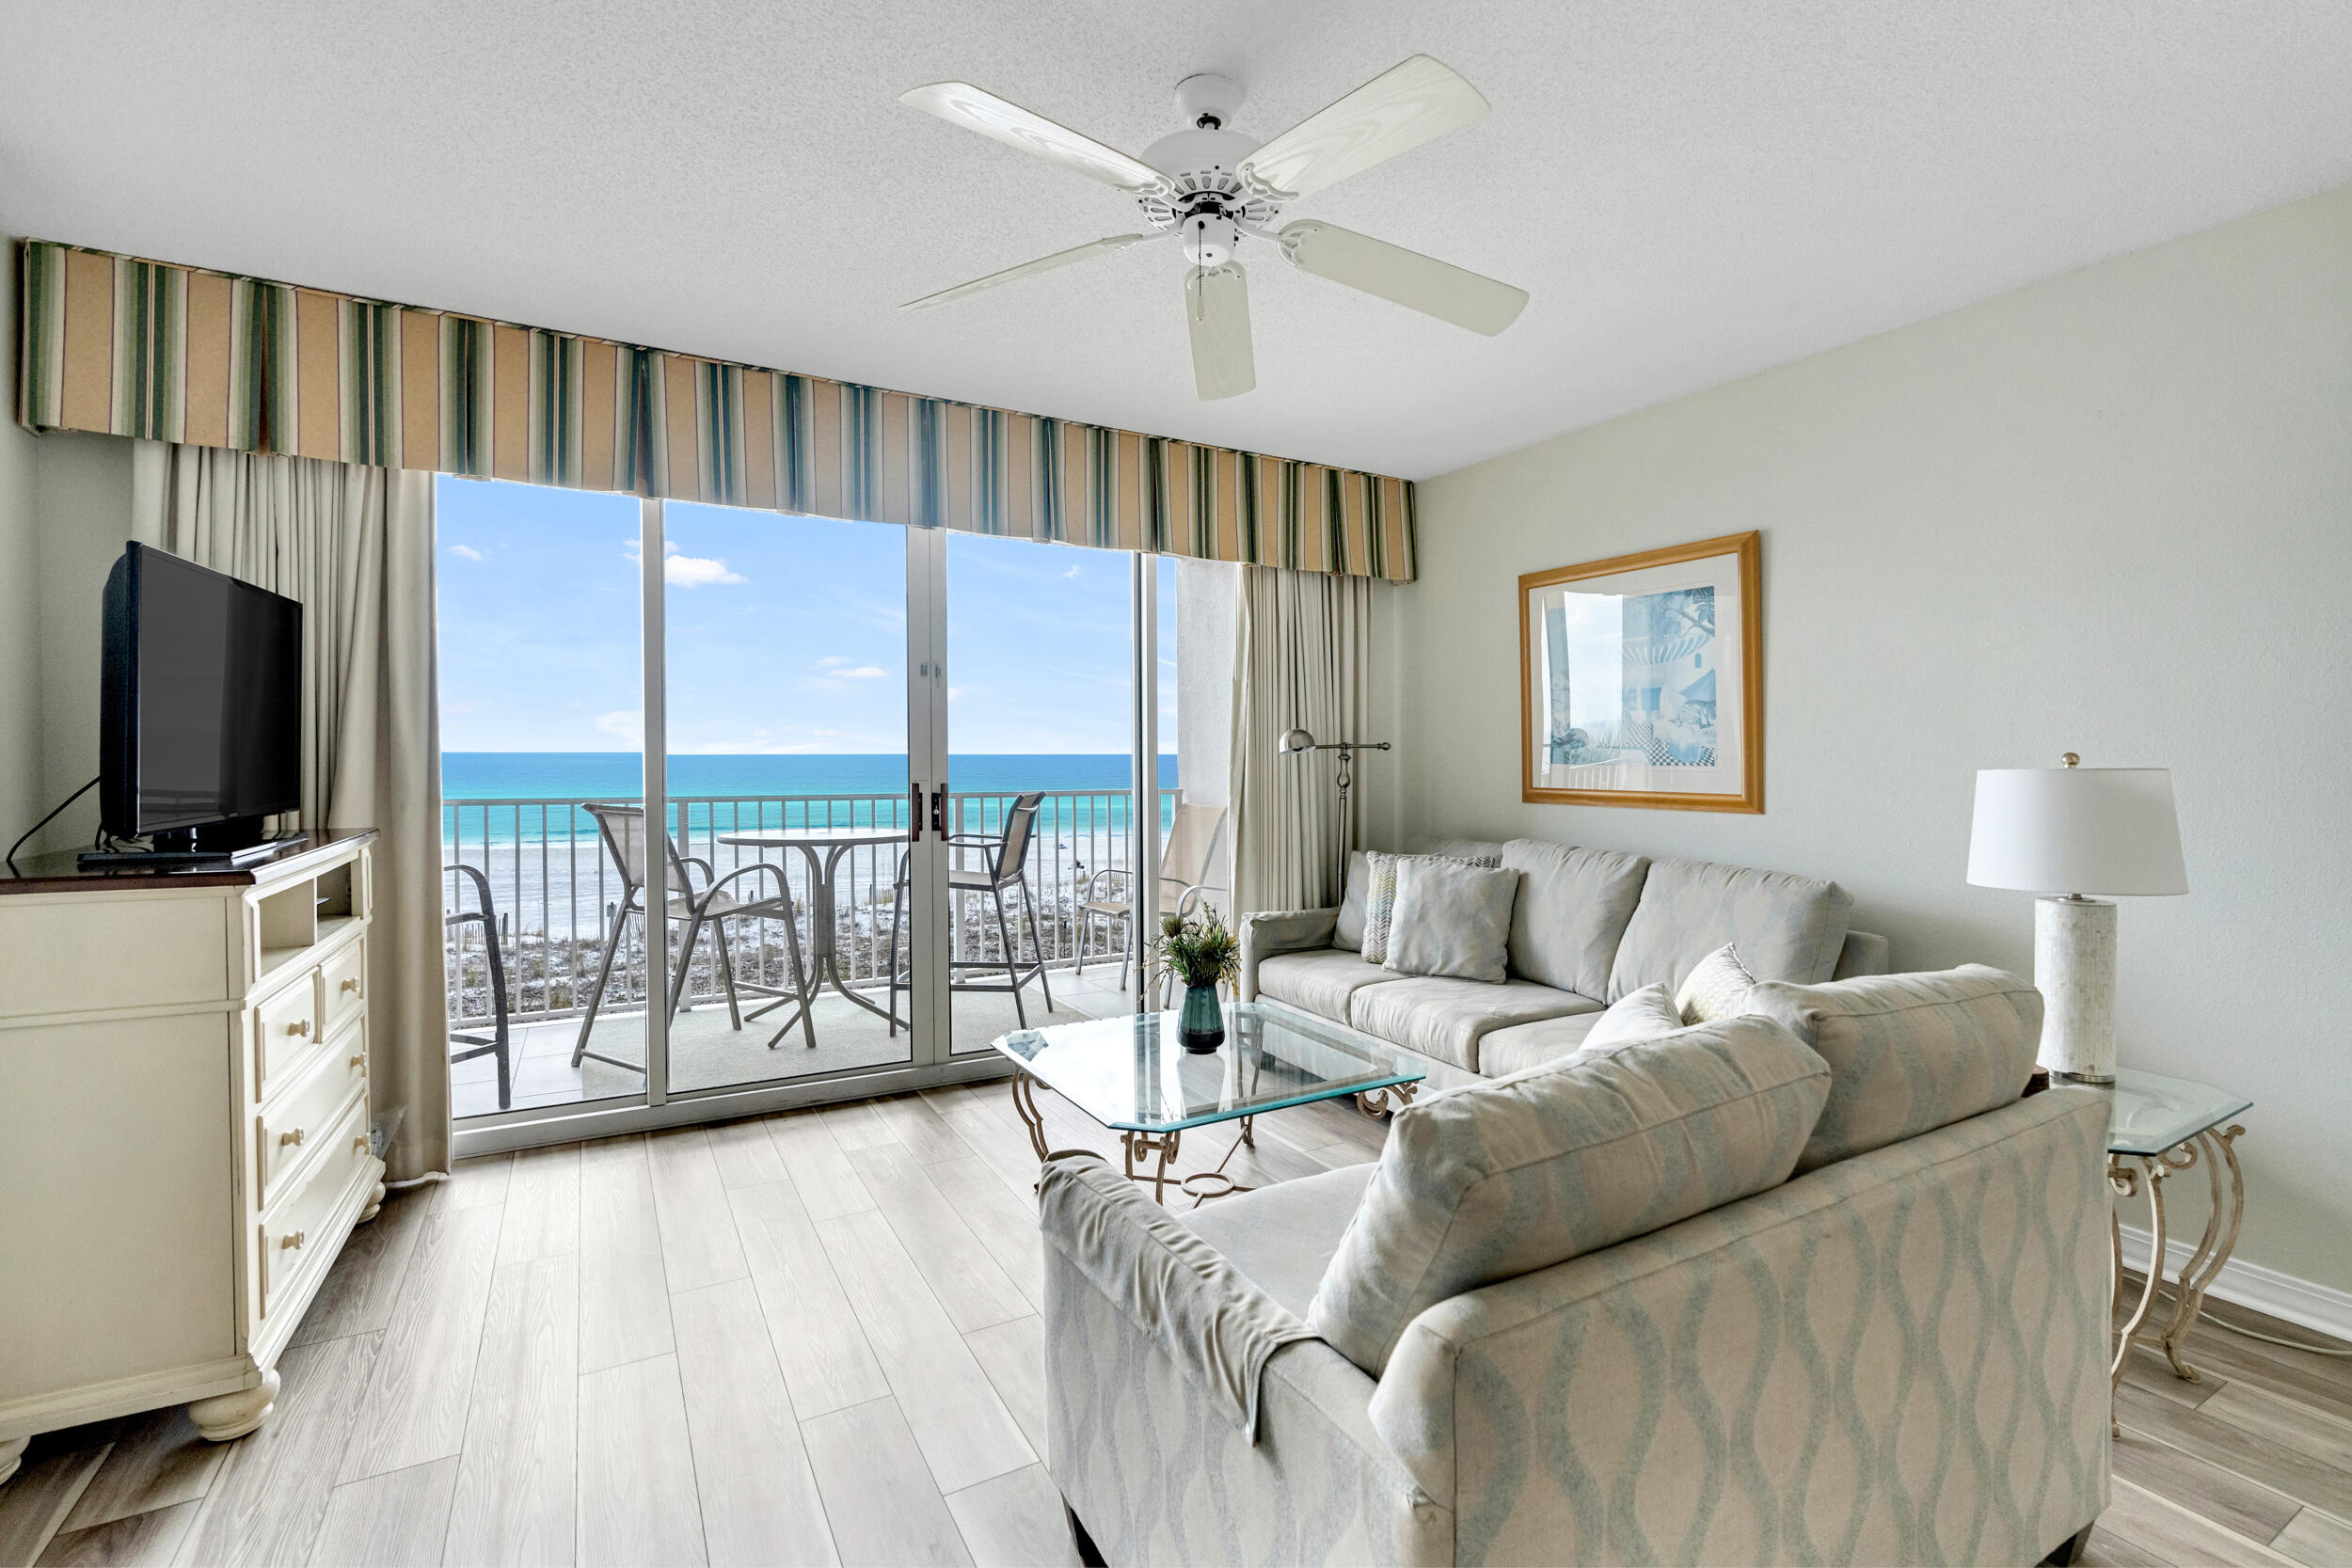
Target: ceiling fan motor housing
[1203,170]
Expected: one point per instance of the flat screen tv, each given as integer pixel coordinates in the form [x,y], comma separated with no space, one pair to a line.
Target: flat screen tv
[200,719]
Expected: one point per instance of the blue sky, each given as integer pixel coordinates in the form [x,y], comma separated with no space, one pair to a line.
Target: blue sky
[785,634]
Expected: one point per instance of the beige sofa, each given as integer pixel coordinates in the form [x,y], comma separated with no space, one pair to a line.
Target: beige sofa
[1897,1355]
[1589,925]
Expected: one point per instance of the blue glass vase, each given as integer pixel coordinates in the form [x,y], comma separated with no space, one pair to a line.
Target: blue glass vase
[1202,1025]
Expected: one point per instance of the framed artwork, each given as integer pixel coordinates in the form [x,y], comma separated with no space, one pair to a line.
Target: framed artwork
[1641,680]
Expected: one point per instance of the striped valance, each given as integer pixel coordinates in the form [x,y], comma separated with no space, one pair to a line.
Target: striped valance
[129,347]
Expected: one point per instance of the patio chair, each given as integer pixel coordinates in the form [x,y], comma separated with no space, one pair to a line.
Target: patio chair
[496,1043]
[1184,861]
[624,830]
[1007,855]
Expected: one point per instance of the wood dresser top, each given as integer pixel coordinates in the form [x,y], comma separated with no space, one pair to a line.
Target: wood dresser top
[56,872]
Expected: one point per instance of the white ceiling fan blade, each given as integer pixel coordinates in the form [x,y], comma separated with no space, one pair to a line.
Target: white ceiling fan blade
[1398,110]
[1216,308]
[1043,264]
[961,104]
[1415,282]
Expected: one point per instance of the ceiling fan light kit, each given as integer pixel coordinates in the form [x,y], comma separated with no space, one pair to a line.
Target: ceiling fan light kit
[1214,188]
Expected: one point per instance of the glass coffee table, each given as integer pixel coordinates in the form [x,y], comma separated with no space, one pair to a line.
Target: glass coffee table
[1133,1076]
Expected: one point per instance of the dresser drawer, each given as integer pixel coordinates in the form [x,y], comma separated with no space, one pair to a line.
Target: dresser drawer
[294,1232]
[344,986]
[286,1033]
[290,1129]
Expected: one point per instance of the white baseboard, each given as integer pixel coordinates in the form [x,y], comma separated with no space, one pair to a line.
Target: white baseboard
[2281,1295]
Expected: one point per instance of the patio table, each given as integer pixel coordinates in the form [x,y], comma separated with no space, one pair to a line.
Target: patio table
[824,848]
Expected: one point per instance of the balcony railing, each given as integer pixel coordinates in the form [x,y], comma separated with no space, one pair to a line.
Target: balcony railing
[556,891]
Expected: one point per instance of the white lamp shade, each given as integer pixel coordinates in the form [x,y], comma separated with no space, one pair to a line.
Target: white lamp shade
[2076,829]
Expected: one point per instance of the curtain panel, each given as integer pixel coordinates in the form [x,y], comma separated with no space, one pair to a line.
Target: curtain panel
[129,347]
[354,544]
[1302,659]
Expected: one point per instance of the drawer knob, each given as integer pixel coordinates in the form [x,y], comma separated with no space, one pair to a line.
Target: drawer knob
[359,1144]
[293,1138]
[299,1027]
[292,1241]
[350,983]
[357,1061]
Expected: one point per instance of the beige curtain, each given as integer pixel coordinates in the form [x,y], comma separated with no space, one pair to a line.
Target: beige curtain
[355,546]
[1302,659]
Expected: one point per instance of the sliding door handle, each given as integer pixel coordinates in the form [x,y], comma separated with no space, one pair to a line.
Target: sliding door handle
[938,811]
[915,811]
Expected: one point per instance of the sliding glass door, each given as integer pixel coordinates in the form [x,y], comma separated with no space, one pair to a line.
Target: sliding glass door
[1040,643]
[541,670]
[777,808]
[787,710]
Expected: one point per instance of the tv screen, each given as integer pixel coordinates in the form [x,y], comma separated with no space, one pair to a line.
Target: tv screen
[200,717]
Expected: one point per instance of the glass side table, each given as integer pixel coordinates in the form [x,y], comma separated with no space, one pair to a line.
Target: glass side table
[2158,1128]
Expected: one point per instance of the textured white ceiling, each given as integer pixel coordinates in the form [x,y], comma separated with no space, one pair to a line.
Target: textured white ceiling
[1691,190]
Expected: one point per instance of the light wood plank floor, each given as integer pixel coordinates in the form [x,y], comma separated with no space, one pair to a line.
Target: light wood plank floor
[814,1338]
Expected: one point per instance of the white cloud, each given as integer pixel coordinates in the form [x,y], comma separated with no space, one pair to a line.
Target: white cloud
[832,661]
[680,570]
[691,571]
[953,692]
[863,672]
[1072,573]
[628,723]
[466,552]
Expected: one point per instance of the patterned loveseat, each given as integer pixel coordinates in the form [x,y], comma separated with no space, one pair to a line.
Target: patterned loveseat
[1587,1314]
[1587,927]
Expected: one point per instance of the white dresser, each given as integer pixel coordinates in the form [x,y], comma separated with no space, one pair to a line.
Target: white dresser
[184,1130]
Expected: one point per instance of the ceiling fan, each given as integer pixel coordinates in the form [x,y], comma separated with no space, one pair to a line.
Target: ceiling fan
[1214,188]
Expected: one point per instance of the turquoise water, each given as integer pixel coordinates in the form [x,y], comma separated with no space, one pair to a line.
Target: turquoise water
[740,791]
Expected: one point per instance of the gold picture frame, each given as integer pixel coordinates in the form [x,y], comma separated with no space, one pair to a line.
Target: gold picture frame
[1641,679]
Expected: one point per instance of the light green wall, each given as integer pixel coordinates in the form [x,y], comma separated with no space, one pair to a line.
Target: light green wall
[85,493]
[21,785]
[2110,514]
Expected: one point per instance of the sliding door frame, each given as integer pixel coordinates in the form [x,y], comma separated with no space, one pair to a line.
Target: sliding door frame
[933,1059]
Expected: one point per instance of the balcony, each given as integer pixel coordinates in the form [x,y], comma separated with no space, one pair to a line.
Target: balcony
[555,889]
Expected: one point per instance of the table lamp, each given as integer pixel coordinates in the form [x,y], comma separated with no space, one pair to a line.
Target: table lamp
[2063,832]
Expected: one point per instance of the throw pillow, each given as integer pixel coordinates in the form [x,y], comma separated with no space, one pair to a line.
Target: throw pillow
[1718,988]
[1349,932]
[1380,897]
[1494,1178]
[1909,1053]
[1645,1015]
[1451,919]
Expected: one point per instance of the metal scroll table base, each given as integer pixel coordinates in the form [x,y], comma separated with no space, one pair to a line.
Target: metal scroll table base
[1151,1157]
[2128,1174]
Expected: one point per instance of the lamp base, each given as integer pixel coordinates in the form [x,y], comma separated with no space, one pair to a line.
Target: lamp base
[2074,967]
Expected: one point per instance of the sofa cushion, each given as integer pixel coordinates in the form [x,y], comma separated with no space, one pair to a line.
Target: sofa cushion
[1451,920]
[1909,1053]
[1642,1015]
[1488,1182]
[1319,982]
[1350,930]
[1504,1051]
[1445,1018]
[1283,1237]
[1573,905]
[1787,927]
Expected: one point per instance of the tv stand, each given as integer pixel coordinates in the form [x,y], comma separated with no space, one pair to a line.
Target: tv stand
[185,1129]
